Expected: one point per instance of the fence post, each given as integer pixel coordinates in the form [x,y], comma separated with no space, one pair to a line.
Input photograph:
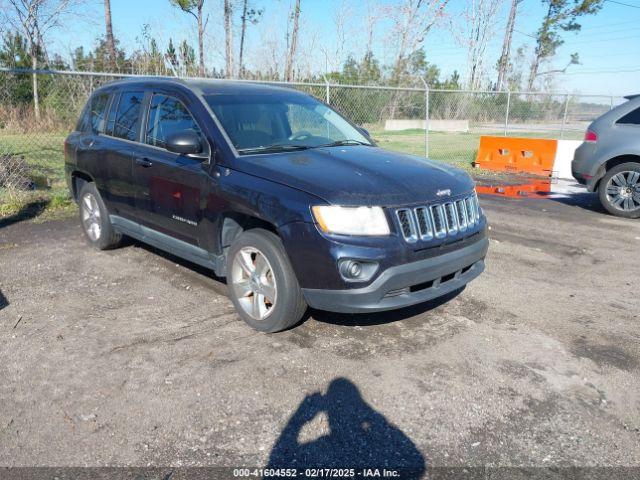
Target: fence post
[506,117]
[564,117]
[326,82]
[426,117]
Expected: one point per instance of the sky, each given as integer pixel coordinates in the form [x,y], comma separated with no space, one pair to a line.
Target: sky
[608,43]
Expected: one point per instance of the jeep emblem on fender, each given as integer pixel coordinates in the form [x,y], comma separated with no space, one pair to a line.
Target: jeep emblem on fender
[442,193]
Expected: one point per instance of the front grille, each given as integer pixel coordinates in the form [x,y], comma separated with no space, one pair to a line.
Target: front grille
[407,224]
[440,220]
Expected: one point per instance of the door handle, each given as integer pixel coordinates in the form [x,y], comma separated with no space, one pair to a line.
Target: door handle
[144,162]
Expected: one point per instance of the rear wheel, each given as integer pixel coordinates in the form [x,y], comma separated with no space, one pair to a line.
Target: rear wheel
[261,282]
[94,218]
[620,190]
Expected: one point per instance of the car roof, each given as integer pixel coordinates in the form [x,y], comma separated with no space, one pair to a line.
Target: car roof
[206,86]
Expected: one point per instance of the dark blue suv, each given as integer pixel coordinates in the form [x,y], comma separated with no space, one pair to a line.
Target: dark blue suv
[275,191]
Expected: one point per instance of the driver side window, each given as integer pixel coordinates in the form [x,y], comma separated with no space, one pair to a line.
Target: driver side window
[168,115]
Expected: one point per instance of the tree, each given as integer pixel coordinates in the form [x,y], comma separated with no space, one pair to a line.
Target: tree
[293,45]
[249,15]
[102,54]
[14,53]
[342,19]
[228,37]
[451,83]
[187,58]
[111,44]
[503,62]
[36,18]
[561,17]
[513,73]
[416,66]
[373,15]
[411,21]
[369,71]
[172,57]
[148,59]
[194,7]
[478,27]
[80,60]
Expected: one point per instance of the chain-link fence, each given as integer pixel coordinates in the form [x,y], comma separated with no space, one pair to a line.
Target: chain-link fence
[442,124]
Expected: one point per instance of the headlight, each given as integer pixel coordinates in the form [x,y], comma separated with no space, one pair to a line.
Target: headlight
[351,220]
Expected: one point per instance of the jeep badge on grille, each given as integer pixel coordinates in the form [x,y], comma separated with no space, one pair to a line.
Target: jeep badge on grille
[442,193]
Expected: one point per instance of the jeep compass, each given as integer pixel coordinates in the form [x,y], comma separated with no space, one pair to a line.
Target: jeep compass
[275,191]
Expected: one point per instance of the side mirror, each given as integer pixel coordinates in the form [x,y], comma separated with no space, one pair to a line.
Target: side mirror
[186,142]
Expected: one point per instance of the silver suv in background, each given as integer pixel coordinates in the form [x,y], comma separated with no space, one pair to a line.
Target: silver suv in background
[608,162]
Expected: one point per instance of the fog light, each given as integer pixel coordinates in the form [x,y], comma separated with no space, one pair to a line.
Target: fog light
[351,269]
[356,270]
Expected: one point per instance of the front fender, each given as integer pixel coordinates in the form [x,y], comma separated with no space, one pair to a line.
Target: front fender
[271,202]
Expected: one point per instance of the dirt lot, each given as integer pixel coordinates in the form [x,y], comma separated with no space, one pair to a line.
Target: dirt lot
[132,357]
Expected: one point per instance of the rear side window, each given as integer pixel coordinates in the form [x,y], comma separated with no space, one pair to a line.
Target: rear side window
[168,115]
[95,115]
[631,118]
[128,115]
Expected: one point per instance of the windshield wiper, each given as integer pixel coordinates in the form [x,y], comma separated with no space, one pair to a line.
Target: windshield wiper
[341,143]
[276,147]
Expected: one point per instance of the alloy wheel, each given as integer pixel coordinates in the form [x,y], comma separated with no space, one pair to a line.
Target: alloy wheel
[91,216]
[623,191]
[254,283]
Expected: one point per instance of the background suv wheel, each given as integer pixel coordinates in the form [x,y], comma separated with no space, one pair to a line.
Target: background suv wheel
[261,282]
[619,190]
[94,218]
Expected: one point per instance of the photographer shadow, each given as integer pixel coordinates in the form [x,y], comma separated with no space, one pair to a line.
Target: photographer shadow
[358,436]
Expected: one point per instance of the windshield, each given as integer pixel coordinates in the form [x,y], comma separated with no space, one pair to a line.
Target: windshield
[281,122]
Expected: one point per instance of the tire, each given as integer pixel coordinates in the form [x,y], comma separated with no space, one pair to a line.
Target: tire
[257,262]
[94,218]
[625,176]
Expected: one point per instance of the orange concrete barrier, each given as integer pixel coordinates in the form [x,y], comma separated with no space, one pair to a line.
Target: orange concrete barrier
[533,188]
[510,154]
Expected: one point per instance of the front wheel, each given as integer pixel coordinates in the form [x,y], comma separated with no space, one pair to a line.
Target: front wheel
[261,282]
[619,190]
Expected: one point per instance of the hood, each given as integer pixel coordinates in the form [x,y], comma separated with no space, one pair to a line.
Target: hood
[359,175]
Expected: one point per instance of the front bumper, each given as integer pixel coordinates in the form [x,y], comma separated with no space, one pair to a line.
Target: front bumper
[407,284]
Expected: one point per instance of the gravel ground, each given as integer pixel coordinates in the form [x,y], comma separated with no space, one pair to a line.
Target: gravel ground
[132,357]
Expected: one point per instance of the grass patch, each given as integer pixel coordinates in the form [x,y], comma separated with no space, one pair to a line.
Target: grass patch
[44,157]
[457,148]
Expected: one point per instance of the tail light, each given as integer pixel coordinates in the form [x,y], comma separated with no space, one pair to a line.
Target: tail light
[590,136]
